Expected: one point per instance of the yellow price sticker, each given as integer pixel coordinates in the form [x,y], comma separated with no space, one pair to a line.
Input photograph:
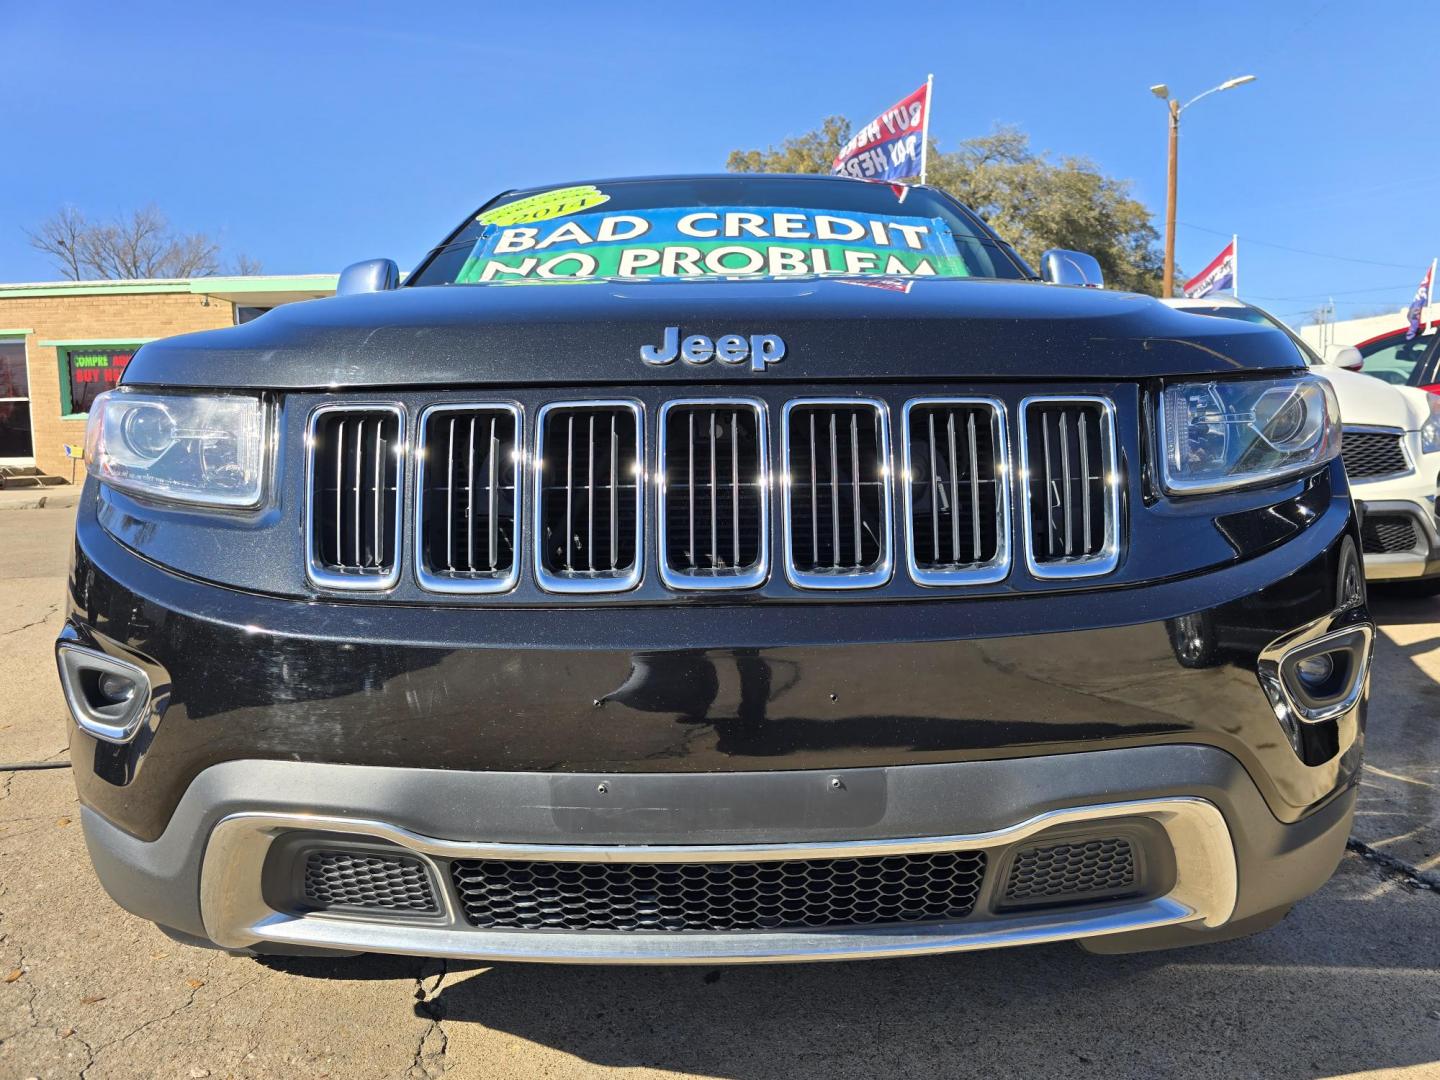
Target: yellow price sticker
[546,205]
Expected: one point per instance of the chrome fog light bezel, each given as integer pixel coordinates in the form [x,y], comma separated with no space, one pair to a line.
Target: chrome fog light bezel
[116,723]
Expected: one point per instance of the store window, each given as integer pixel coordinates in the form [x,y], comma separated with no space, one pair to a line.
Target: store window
[15,441]
[245,314]
[86,372]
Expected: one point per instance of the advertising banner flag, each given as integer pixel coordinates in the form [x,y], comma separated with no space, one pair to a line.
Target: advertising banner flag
[1416,314]
[1222,273]
[892,146]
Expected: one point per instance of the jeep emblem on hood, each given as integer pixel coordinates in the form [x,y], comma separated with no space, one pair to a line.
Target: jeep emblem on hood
[761,350]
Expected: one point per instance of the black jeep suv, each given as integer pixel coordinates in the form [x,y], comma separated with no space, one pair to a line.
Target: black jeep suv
[732,568]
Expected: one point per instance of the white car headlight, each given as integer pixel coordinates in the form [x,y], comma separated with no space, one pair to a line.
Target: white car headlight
[1234,433]
[1430,430]
[194,448]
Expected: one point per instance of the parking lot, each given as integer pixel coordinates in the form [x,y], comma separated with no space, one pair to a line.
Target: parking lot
[1348,984]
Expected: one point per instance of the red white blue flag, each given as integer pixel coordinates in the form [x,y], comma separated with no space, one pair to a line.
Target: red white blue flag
[892,146]
[1416,314]
[1220,274]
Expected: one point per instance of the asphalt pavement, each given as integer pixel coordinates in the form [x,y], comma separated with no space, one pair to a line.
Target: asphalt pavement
[1348,984]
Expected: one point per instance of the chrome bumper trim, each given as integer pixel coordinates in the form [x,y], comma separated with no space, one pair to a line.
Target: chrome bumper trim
[237,916]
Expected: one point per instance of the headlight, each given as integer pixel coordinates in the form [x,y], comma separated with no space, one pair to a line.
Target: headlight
[1236,432]
[207,449]
[1430,430]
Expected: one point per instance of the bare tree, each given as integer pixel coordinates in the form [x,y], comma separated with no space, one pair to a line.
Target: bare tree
[245,265]
[140,245]
[62,236]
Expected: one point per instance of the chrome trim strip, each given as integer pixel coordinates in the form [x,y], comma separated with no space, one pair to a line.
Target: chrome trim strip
[884,569]
[357,580]
[681,579]
[478,583]
[992,570]
[601,581]
[1109,555]
[236,915]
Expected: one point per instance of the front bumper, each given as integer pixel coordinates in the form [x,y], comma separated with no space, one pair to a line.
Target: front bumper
[627,734]
[1228,857]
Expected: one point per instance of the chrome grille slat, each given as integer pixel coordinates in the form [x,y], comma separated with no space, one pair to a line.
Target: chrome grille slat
[1058,427]
[955,464]
[616,564]
[693,549]
[352,514]
[468,542]
[810,432]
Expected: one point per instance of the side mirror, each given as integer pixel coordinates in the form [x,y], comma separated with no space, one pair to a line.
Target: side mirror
[1346,356]
[372,275]
[1061,267]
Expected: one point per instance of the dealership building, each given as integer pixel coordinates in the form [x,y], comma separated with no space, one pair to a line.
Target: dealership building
[63,343]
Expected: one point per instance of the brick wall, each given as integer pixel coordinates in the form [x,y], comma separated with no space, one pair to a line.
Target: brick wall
[82,318]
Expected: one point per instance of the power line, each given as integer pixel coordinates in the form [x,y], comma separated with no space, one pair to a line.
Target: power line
[1301,251]
[1343,292]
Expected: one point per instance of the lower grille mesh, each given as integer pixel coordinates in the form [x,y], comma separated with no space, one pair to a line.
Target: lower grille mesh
[797,893]
[349,879]
[1385,534]
[1080,870]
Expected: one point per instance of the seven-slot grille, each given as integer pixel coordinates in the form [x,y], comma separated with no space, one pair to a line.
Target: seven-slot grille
[714,505]
[468,508]
[355,477]
[956,498]
[588,496]
[588,461]
[1371,454]
[1071,499]
[837,494]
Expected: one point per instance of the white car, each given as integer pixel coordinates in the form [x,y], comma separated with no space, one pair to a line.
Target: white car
[1391,449]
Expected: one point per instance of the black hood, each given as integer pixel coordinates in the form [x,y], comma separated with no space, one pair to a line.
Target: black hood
[591,332]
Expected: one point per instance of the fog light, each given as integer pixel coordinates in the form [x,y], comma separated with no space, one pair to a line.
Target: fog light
[1315,671]
[116,688]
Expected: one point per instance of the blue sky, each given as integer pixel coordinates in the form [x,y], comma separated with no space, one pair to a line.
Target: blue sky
[311,135]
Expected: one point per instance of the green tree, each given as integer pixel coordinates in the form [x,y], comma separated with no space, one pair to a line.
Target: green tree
[812,152]
[1032,200]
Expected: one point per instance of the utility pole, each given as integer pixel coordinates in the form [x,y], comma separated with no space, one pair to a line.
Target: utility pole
[1167,287]
[1162,91]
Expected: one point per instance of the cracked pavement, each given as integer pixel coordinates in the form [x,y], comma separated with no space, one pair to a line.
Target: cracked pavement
[1349,983]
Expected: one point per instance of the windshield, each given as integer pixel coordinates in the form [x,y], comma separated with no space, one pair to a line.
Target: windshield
[740,226]
[1260,318]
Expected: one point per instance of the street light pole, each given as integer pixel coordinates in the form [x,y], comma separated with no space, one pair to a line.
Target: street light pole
[1174,107]
[1167,287]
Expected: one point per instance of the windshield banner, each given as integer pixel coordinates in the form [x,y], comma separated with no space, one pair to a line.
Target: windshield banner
[681,242]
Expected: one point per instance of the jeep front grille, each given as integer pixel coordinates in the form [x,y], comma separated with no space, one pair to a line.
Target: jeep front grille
[356,465]
[1070,483]
[588,496]
[714,503]
[468,498]
[1369,455]
[790,894]
[957,505]
[836,475]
